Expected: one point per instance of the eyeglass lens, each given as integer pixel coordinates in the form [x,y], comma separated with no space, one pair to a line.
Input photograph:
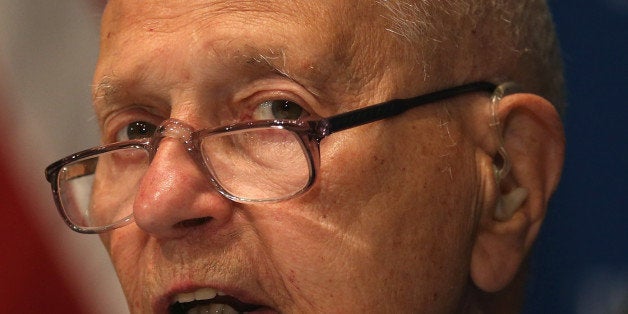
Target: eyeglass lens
[260,164]
[99,191]
[257,164]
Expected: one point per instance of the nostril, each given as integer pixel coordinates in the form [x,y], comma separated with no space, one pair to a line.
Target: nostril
[193,222]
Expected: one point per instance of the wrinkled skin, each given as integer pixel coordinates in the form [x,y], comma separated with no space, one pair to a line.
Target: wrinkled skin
[391,222]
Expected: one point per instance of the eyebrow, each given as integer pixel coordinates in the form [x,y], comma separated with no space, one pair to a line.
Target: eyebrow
[107,87]
[112,92]
[268,61]
[254,61]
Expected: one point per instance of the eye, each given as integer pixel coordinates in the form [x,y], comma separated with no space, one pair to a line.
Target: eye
[279,109]
[136,130]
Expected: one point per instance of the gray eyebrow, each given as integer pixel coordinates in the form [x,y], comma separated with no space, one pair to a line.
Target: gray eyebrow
[254,60]
[275,61]
[272,60]
[105,88]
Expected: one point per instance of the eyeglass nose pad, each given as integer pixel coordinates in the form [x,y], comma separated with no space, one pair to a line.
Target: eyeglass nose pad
[175,129]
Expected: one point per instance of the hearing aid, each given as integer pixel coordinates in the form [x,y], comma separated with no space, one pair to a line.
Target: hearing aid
[508,203]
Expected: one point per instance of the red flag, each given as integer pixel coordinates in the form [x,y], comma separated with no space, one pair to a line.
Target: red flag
[30,279]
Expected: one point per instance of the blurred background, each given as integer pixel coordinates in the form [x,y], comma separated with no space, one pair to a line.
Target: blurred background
[47,53]
[580,264]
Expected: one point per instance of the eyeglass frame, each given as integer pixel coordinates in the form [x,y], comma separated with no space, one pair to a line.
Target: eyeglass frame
[310,132]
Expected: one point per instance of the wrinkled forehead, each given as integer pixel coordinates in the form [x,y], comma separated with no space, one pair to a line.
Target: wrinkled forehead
[313,37]
[168,15]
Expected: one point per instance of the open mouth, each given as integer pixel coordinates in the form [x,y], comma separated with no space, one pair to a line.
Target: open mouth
[207,300]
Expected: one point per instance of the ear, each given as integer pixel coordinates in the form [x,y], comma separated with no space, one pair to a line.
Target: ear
[513,208]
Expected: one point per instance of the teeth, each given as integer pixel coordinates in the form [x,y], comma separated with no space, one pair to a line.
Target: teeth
[200,294]
[185,297]
[204,294]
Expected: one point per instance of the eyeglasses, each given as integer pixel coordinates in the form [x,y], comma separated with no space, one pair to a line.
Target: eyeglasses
[259,161]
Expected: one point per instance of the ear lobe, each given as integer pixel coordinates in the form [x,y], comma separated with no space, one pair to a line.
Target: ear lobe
[514,210]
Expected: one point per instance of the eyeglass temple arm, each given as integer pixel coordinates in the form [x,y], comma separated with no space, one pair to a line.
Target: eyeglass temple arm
[394,107]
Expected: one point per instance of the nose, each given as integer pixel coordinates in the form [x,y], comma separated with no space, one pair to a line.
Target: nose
[175,196]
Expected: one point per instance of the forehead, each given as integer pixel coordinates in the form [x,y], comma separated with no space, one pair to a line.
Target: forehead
[309,38]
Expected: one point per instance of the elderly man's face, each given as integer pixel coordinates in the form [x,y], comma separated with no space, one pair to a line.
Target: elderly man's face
[388,225]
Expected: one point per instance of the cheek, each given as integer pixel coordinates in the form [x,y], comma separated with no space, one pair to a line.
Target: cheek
[306,251]
[385,219]
[126,246]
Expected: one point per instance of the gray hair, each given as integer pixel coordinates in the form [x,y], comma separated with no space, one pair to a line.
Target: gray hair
[507,40]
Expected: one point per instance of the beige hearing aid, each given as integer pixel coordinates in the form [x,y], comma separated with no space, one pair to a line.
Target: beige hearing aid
[508,203]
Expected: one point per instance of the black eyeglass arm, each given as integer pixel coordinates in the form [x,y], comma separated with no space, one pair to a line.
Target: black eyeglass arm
[394,107]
